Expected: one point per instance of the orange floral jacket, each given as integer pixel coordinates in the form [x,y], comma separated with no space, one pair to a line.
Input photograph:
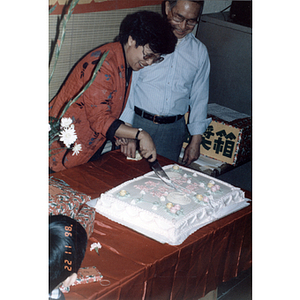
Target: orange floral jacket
[96,111]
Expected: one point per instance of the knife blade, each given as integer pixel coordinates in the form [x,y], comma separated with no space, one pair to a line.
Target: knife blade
[158,170]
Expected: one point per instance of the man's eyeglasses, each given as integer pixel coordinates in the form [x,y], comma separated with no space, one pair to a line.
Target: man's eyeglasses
[155,59]
[179,19]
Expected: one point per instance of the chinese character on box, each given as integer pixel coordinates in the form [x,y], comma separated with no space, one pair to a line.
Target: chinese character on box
[221,141]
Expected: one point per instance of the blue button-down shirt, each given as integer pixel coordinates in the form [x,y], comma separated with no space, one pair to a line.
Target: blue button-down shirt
[170,87]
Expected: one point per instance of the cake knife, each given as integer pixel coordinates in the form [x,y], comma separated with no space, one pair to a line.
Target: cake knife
[158,170]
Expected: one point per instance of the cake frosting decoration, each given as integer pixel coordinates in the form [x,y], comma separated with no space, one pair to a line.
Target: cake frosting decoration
[149,206]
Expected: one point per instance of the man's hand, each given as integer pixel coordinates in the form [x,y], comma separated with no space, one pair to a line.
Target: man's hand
[192,151]
[147,147]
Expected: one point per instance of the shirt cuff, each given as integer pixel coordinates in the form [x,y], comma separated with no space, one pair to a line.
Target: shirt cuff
[127,115]
[199,127]
[110,134]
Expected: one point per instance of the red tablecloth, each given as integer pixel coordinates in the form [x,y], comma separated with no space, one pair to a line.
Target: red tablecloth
[141,268]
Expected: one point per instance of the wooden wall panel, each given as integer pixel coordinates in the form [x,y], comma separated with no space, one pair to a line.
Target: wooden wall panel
[85,6]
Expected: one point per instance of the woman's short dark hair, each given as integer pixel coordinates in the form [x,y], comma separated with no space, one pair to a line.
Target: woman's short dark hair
[147,27]
[67,245]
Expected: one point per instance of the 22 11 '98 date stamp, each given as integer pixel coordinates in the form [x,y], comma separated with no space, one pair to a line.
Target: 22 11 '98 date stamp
[68,263]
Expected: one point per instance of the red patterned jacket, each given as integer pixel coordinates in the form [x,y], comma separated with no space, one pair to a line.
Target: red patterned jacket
[95,114]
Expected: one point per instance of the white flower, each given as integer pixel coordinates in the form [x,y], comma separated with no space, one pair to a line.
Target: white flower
[162,198]
[76,149]
[65,122]
[96,246]
[68,136]
[49,127]
[154,207]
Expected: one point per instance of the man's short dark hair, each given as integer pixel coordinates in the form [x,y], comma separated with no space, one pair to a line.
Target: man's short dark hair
[174,2]
[147,27]
[67,245]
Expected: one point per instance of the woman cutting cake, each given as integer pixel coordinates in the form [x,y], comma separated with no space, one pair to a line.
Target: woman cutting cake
[144,36]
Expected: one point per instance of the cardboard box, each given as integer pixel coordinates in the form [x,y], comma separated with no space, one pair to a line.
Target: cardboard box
[241,129]
[228,140]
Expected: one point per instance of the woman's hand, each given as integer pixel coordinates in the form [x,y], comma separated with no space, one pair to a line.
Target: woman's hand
[129,150]
[121,142]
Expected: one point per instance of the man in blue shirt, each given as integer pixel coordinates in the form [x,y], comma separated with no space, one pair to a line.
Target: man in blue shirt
[162,93]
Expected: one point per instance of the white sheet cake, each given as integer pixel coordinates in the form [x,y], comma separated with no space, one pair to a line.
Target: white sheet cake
[147,205]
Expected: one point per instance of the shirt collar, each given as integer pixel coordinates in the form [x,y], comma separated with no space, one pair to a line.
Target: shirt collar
[180,41]
[55,294]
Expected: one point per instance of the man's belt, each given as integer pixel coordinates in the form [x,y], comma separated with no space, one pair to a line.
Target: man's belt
[157,119]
